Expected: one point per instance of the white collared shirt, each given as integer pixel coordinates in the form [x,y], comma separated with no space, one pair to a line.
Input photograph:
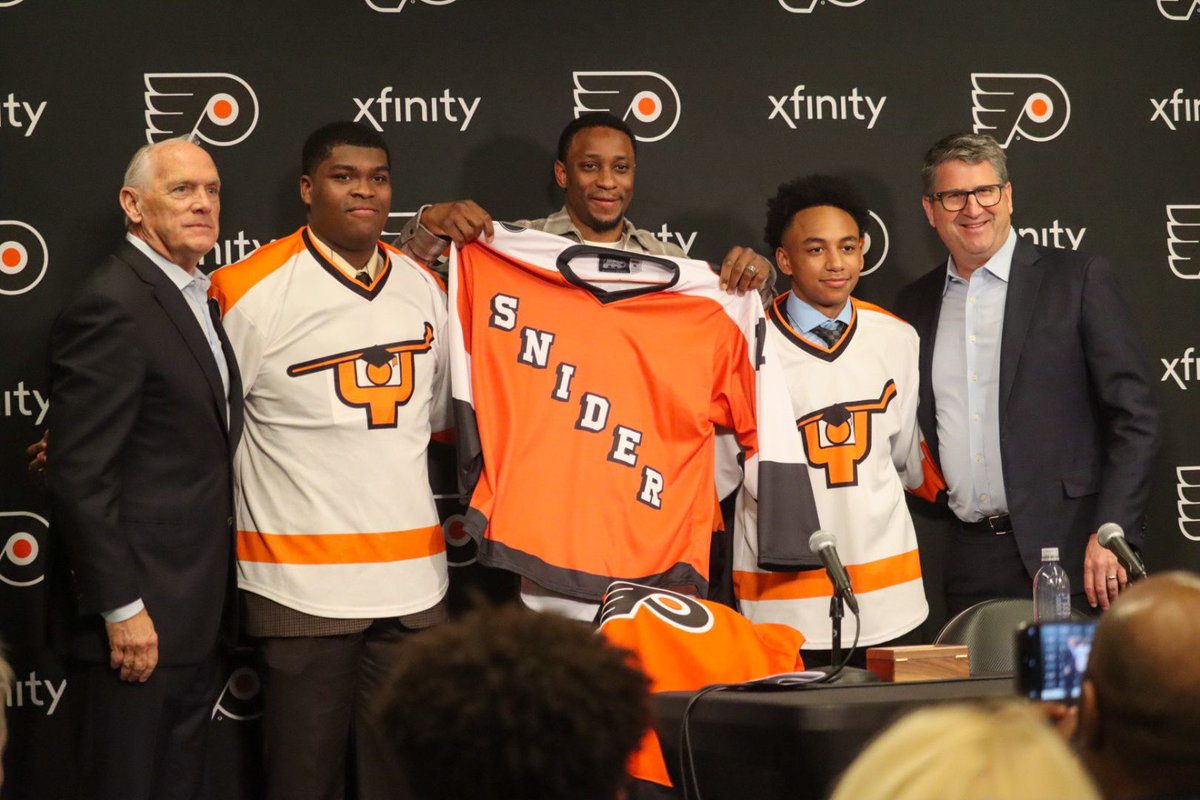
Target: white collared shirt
[966,384]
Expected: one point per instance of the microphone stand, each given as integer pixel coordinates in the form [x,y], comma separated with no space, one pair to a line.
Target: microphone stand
[837,610]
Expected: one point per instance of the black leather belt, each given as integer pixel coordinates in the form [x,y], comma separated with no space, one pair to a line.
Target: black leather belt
[999,525]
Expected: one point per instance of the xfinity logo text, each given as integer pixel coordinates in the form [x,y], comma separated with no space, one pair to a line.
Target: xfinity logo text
[1182,370]
[1174,109]
[229,251]
[800,105]
[384,108]
[1054,235]
[666,235]
[29,692]
[646,101]
[24,402]
[1004,105]
[1183,240]
[16,113]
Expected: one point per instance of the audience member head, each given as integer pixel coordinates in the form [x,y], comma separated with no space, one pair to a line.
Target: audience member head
[1139,713]
[597,158]
[171,197]
[1001,751]
[346,184]
[815,226]
[968,198]
[506,703]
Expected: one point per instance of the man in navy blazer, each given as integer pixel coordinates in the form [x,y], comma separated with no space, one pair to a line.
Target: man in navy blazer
[146,412]
[1034,392]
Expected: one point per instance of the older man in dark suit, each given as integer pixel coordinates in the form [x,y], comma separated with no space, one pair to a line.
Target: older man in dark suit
[146,413]
[1034,393]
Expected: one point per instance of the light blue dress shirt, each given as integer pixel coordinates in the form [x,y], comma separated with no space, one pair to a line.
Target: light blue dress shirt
[966,385]
[804,318]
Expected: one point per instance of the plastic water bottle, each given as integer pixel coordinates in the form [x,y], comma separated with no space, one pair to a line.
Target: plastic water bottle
[1051,589]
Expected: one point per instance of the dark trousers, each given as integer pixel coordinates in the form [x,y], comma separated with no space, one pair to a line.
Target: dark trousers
[146,741]
[982,566]
[320,697]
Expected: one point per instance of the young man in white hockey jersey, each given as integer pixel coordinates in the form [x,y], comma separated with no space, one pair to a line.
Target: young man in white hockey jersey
[340,553]
[851,369]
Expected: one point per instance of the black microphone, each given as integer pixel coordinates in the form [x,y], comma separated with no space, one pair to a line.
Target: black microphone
[824,544]
[1112,537]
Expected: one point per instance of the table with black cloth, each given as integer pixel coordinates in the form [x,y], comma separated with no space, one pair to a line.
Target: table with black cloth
[792,744]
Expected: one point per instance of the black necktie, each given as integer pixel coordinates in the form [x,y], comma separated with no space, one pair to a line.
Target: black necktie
[829,332]
[363,277]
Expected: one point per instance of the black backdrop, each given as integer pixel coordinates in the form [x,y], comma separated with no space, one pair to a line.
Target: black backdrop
[1099,104]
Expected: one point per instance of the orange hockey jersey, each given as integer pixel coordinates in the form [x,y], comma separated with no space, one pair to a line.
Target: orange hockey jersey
[588,387]
[683,643]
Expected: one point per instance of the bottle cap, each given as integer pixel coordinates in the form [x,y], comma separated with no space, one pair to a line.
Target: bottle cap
[1049,554]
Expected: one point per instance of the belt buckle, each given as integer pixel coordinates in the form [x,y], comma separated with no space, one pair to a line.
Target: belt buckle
[993,520]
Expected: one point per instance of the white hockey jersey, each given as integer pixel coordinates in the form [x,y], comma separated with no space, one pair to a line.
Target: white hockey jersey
[344,386]
[855,406]
[589,384]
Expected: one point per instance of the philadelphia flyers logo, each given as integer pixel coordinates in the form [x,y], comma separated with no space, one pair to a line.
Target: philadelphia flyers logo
[838,437]
[1005,105]
[214,107]
[396,6]
[1183,240]
[807,6]
[624,599]
[1179,10]
[21,537]
[461,549]
[23,257]
[241,699]
[646,101]
[379,379]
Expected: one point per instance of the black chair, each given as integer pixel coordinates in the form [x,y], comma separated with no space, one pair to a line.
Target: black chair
[987,630]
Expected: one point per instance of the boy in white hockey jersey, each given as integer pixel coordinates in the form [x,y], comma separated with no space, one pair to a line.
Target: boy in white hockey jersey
[851,369]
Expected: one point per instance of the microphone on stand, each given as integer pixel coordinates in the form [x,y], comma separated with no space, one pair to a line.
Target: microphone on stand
[1111,537]
[824,545]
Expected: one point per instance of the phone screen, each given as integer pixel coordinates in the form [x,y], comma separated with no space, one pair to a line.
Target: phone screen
[1052,658]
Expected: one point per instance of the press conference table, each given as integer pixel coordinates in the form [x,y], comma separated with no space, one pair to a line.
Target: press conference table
[792,744]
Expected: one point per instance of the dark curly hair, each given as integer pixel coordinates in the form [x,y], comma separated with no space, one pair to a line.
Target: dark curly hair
[593,119]
[806,192]
[508,703]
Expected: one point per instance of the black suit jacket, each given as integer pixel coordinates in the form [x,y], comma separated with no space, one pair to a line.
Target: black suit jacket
[140,463]
[1078,424]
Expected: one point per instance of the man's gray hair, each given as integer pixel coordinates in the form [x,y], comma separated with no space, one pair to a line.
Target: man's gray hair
[138,173]
[973,148]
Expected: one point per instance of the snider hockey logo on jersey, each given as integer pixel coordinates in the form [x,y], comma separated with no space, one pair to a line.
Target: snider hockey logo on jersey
[378,378]
[838,437]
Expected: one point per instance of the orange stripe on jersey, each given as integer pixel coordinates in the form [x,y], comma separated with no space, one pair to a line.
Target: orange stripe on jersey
[340,548]
[865,306]
[230,284]
[867,577]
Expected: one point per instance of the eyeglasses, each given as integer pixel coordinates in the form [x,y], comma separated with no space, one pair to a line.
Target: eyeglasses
[986,196]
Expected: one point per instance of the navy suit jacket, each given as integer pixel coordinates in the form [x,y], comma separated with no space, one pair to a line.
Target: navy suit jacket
[1079,428]
[140,463]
